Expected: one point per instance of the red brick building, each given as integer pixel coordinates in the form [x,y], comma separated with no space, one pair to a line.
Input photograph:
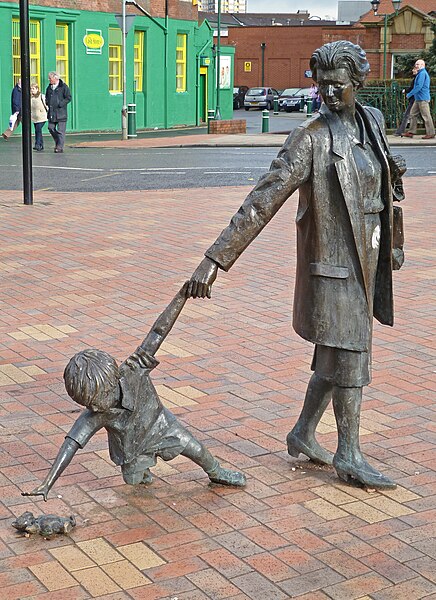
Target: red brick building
[288,48]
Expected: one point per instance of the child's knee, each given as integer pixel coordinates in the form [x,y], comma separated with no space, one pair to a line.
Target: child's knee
[134,474]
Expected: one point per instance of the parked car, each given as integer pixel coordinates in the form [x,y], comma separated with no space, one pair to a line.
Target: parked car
[238,96]
[260,97]
[294,103]
[287,93]
[297,101]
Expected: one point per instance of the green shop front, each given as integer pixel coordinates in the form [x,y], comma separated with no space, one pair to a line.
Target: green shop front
[170,73]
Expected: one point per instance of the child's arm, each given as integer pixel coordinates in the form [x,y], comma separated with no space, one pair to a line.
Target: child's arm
[63,459]
[165,322]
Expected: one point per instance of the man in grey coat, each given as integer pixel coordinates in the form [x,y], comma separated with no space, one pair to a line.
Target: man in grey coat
[57,97]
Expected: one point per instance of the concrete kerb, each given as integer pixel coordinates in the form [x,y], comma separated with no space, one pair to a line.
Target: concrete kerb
[239,140]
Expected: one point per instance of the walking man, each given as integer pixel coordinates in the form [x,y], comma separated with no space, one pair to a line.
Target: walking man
[16,103]
[57,96]
[421,93]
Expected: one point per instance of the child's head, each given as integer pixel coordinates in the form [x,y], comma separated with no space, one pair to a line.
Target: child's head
[91,379]
[34,89]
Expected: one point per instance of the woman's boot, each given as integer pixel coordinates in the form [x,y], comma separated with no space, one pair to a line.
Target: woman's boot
[348,461]
[302,437]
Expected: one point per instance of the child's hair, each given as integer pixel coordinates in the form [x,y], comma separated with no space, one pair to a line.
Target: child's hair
[35,85]
[89,374]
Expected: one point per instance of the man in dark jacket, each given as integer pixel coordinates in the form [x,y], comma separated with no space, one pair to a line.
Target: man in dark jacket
[57,96]
[16,102]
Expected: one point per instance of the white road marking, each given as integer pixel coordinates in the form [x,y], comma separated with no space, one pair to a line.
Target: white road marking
[226,173]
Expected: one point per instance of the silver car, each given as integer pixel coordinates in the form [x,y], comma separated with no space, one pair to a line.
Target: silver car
[260,97]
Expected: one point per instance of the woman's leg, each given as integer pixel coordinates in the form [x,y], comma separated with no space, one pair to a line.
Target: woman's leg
[348,460]
[302,437]
[39,144]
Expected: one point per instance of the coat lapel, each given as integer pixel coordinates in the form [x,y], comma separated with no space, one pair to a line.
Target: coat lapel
[348,178]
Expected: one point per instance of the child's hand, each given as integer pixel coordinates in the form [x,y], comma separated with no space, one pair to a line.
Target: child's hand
[41,490]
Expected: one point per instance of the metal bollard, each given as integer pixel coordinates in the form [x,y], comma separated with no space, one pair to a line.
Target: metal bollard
[276,105]
[309,107]
[131,121]
[210,117]
[302,105]
[265,121]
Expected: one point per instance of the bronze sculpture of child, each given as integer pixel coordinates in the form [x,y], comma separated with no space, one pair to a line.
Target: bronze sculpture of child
[124,401]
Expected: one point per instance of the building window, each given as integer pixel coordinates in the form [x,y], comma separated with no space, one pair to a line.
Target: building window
[35,51]
[62,51]
[138,59]
[115,61]
[181,62]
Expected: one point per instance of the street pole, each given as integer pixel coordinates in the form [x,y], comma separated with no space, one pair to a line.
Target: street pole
[124,109]
[26,139]
[263,45]
[385,45]
[218,65]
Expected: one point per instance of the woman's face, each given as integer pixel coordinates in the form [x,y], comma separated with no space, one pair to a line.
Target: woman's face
[33,90]
[337,89]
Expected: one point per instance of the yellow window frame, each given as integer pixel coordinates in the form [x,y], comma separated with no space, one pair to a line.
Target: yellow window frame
[62,54]
[138,60]
[35,50]
[115,62]
[181,42]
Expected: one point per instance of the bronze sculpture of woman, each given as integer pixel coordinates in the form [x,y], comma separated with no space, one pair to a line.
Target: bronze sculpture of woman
[347,179]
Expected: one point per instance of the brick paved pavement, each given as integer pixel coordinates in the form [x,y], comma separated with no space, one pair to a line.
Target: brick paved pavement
[80,270]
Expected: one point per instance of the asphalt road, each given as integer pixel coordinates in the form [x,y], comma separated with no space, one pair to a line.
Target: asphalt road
[101,169]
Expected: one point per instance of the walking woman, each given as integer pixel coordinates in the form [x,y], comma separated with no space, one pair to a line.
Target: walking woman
[340,161]
[38,112]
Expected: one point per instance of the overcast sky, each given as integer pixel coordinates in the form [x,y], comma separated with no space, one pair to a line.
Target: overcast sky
[321,8]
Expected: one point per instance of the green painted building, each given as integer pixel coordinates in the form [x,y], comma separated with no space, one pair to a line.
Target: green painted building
[170,72]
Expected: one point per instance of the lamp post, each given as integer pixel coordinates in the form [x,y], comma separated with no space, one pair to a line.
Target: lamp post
[263,46]
[375,6]
[218,65]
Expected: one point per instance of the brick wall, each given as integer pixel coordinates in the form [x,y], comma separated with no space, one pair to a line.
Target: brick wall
[177,9]
[234,126]
[404,42]
[287,49]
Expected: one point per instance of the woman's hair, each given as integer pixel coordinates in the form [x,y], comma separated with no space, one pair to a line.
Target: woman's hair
[90,373]
[35,85]
[341,55]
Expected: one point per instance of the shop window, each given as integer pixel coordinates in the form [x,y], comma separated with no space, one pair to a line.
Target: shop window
[138,59]
[115,61]
[35,51]
[62,63]
[181,62]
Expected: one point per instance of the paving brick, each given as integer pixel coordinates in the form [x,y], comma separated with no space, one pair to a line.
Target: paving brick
[141,556]
[99,551]
[369,583]
[53,576]
[125,574]
[414,589]
[213,583]
[310,582]
[96,582]
[72,558]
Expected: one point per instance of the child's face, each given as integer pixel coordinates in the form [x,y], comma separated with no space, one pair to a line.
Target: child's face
[105,400]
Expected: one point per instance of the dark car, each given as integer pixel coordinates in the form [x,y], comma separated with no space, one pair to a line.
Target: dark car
[260,97]
[297,101]
[287,93]
[238,96]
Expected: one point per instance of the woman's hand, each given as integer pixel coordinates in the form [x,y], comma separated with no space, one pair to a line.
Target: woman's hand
[200,284]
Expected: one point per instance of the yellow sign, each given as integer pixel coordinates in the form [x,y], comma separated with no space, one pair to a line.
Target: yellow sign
[94,42]
[247,66]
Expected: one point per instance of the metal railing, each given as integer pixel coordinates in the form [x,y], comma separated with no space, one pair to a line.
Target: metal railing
[390,99]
